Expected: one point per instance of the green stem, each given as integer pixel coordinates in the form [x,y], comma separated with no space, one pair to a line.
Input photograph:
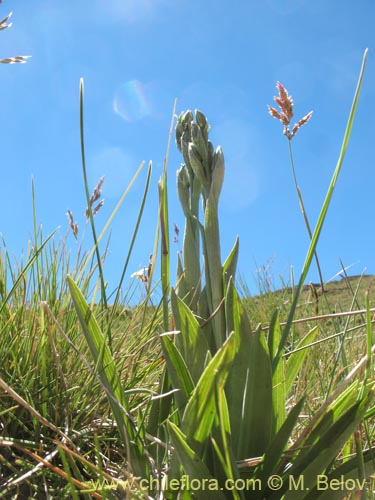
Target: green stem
[214,280]
[304,214]
[89,207]
[192,269]
[164,229]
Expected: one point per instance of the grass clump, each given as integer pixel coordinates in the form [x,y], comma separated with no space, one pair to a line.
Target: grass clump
[50,388]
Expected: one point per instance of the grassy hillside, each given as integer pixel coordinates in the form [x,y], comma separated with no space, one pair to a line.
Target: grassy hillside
[342,295]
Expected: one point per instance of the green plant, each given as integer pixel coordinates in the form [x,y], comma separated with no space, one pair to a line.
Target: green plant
[104,415]
[227,419]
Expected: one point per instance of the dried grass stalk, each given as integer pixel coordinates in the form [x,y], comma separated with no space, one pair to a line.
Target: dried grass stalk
[15,59]
[96,194]
[73,225]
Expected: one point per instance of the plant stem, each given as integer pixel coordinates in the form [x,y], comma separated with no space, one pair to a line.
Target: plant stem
[305,218]
[90,213]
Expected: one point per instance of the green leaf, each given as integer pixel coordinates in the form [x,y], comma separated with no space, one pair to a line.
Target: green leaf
[221,442]
[331,414]
[106,371]
[274,454]
[347,471]
[313,461]
[164,229]
[206,326]
[231,302]
[249,389]
[274,334]
[191,341]
[194,467]
[99,349]
[297,357]
[230,265]
[200,410]
[157,416]
[182,286]
[178,372]
[90,211]
[164,246]
[279,391]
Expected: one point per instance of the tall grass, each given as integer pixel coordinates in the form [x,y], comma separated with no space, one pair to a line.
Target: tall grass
[106,399]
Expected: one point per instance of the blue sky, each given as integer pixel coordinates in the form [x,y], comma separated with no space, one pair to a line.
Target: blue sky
[136,57]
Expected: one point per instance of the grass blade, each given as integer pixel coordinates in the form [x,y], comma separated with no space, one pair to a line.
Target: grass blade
[89,208]
[106,369]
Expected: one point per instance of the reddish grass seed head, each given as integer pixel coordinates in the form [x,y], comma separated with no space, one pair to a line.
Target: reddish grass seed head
[274,113]
[300,124]
[285,103]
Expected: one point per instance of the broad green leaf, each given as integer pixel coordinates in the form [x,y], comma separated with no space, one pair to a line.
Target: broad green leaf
[182,287]
[106,370]
[191,341]
[204,312]
[99,349]
[347,472]
[230,265]
[158,415]
[369,367]
[274,334]
[249,389]
[230,303]
[200,410]
[194,467]
[274,454]
[224,463]
[278,377]
[178,372]
[313,461]
[332,413]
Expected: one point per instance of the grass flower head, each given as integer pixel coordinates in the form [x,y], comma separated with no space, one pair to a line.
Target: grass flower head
[285,114]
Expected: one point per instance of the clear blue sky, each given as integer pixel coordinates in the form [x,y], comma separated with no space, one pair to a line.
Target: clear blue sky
[222,57]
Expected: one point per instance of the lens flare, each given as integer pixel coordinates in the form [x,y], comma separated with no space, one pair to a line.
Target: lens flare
[131,102]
